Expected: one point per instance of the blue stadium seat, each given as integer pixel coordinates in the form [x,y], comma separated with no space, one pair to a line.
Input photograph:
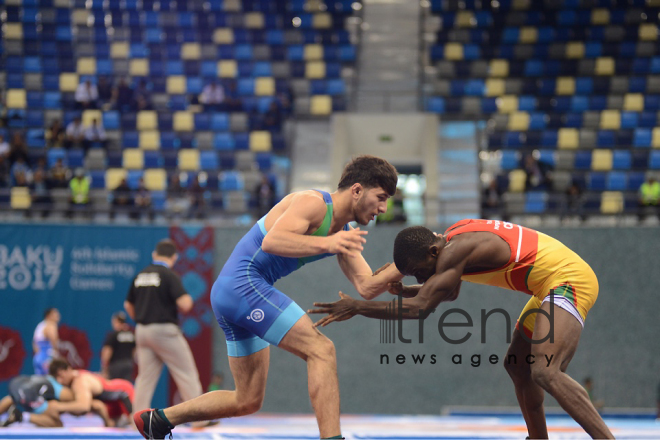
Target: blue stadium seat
[654,160]
[35,100]
[194,85]
[605,139]
[209,160]
[227,161]
[110,120]
[168,140]
[629,120]
[621,160]
[114,159]
[635,180]
[435,105]
[264,161]
[223,141]
[133,178]
[35,119]
[642,137]
[202,121]
[219,122]
[510,160]
[230,181]
[130,139]
[597,181]
[98,179]
[535,202]
[75,158]
[35,138]
[616,181]
[582,160]
[153,159]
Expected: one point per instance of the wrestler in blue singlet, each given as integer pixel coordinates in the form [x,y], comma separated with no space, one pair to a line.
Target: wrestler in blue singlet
[44,353]
[251,312]
[32,393]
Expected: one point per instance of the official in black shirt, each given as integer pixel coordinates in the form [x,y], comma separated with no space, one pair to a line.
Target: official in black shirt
[118,350]
[154,299]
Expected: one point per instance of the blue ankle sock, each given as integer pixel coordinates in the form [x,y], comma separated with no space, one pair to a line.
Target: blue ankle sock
[161,413]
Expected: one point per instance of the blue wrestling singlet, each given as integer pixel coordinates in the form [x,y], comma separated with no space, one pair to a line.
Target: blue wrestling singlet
[251,312]
[44,354]
[32,393]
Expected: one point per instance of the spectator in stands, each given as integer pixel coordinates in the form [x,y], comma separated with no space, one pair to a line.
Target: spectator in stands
[285,97]
[40,190]
[589,388]
[18,149]
[58,175]
[105,91]
[142,96]
[20,173]
[75,134]
[574,200]
[55,135]
[4,147]
[4,162]
[213,97]
[232,101]
[143,200]
[649,196]
[273,118]
[217,382]
[122,96]
[265,195]
[79,186]
[196,195]
[94,134]
[87,95]
[177,199]
[538,176]
[122,197]
[492,199]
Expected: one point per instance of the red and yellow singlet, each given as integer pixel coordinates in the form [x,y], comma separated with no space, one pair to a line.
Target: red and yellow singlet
[537,266]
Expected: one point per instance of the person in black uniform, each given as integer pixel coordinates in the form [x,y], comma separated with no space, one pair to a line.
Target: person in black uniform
[118,350]
[153,300]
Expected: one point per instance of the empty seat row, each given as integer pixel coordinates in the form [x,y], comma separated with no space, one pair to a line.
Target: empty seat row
[636,70]
[554,16]
[598,160]
[606,202]
[250,20]
[596,51]
[605,120]
[630,103]
[551,87]
[156,179]
[439,6]
[547,34]
[572,138]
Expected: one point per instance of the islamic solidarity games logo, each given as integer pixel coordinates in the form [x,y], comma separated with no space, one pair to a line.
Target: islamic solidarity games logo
[257,315]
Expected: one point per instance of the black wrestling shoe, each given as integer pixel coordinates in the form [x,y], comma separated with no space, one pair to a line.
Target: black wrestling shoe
[151,425]
[15,415]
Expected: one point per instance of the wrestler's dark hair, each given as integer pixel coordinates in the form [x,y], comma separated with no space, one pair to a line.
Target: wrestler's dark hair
[48,311]
[166,248]
[57,365]
[370,172]
[411,246]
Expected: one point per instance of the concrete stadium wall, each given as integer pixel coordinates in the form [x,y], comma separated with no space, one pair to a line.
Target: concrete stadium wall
[619,347]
